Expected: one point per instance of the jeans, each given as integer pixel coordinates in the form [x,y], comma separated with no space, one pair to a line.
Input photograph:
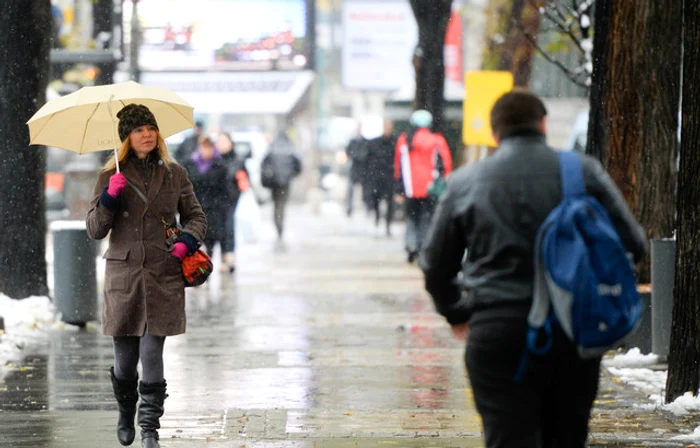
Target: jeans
[549,408]
[419,212]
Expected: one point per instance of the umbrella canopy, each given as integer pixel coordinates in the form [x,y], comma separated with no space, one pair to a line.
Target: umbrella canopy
[86,120]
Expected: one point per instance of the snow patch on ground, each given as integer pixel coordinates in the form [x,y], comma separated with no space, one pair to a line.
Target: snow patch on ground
[694,437]
[633,358]
[685,404]
[651,382]
[27,323]
[628,368]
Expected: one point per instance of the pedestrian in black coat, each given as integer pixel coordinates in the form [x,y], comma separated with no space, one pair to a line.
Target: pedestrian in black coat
[237,182]
[208,173]
[357,151]
[379,178]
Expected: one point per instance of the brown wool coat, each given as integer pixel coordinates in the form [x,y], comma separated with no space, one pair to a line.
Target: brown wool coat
[144,287]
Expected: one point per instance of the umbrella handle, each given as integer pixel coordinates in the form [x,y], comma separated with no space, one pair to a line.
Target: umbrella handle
[114,135]
[116,159]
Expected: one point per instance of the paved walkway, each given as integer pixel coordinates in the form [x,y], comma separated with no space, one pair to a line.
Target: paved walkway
[327,341]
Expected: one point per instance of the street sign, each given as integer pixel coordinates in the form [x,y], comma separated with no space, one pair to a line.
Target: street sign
[483,88]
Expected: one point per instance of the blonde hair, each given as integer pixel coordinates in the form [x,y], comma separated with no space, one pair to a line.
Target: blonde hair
[125,148]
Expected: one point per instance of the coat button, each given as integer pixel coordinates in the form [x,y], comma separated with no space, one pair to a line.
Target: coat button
[160,162]
[125,214]
[145,241]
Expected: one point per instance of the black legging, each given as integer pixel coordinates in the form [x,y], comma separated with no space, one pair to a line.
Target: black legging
[216,223]
[129,349]
[228,243]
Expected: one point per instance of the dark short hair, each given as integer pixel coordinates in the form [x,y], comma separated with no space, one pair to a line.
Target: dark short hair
[519,109]
[205,140]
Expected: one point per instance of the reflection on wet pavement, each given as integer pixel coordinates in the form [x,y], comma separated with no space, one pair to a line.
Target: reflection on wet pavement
[317,345]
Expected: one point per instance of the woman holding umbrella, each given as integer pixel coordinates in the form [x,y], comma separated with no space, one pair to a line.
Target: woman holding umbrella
[144,294]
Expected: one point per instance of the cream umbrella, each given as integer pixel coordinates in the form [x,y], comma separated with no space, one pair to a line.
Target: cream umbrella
[86,120]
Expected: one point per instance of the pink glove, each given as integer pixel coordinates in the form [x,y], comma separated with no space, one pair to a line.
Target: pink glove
[116,184]
[179,250]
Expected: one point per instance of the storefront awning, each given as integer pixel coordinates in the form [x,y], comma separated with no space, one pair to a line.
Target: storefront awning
[272,92]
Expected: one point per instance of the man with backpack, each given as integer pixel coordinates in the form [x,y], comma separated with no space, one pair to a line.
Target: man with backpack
[279,167]
[485,228]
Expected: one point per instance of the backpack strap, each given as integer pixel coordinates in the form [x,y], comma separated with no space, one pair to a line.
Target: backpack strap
[571,186]
[572,183]
[540,318]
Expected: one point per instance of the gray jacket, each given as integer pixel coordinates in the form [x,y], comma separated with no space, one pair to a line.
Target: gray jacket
[487,220]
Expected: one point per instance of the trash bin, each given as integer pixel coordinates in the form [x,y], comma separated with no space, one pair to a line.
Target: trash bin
[80,177]
[75,272]
[663,271]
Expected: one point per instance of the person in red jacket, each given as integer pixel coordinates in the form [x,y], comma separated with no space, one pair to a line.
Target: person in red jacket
[421,157]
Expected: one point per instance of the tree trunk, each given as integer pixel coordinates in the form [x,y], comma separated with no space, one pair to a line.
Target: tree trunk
[432,17]
[25,43]
[508,48]
[684,355]
[659,96]
[599,122]
[634,107]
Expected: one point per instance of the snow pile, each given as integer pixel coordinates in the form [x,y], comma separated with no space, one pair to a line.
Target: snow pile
[685,404]
[633,358]
[27,323]
[694,437]
[651,382]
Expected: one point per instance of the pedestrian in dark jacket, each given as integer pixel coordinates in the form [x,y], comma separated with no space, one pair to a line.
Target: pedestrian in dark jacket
[237,181]
[419,154]
[380,173]
[144,290]
[491,211]
[189,144]
[279,167]
[209,177]
[357,151]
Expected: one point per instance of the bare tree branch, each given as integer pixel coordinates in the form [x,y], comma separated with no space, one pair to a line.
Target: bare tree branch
[573,76]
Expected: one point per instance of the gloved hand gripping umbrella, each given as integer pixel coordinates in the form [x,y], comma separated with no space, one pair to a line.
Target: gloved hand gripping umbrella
[86,120]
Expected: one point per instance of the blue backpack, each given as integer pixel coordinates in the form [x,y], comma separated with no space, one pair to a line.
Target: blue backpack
[584,280]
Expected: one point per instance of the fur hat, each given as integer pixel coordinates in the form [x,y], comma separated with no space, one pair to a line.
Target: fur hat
[132,116]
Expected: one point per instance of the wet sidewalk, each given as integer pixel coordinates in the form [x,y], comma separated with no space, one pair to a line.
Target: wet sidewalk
[327,341]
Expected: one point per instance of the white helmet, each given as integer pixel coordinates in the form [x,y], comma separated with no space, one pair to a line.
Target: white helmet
[421,119]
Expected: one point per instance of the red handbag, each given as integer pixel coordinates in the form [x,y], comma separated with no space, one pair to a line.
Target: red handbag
[197,267]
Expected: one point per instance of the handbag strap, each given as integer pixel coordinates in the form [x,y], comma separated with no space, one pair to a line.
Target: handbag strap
[137,190]
[140,193]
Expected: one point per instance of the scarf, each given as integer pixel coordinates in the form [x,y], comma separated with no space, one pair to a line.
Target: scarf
[204,165]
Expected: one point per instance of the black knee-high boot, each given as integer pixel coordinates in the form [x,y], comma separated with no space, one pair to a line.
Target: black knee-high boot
[150,410]
[126,393]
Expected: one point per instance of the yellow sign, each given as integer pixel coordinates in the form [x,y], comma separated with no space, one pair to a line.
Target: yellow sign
[482,90]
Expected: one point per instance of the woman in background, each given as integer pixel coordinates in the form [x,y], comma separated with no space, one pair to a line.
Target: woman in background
[207,171]
[237,182]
